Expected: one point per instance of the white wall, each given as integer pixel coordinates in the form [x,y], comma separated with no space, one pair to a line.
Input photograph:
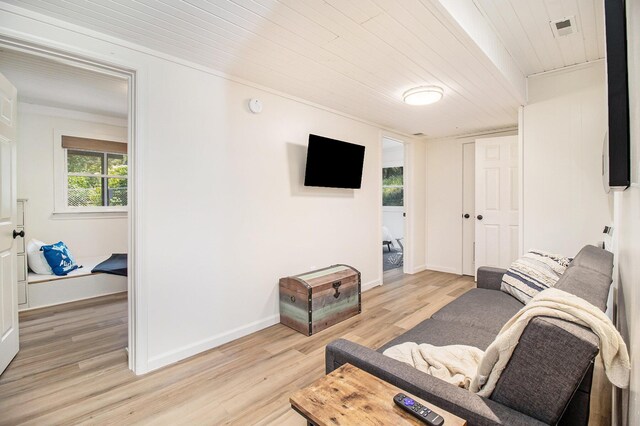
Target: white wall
[627,226]
[444,202]
[565,206]
[36,127]
[221,210]
[392,216]
[234,215]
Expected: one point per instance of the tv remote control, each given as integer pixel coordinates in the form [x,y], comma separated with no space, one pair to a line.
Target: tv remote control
[420,411]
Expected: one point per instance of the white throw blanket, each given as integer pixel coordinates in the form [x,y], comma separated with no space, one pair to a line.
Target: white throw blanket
[456,364]
[449,363]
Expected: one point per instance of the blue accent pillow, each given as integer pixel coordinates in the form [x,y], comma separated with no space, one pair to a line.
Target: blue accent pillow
[59,258]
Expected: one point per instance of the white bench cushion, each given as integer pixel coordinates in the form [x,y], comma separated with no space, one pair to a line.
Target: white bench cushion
[88,263]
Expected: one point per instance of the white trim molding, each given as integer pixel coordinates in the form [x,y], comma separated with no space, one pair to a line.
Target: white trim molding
[371,284]
[420,268]
[187,351]
[521,147]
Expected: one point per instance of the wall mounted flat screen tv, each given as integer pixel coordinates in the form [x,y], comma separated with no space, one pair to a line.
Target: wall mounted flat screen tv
[618,94]
[333,164]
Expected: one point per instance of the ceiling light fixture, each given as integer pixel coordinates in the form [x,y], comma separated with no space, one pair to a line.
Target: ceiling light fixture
[423,95]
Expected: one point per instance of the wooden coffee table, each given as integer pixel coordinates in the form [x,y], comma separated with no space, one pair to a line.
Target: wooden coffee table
[350,396]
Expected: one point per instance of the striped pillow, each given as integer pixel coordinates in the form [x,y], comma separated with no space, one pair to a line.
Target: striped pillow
[532,273]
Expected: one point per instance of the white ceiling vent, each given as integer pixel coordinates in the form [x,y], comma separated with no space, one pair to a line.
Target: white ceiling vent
[564,27]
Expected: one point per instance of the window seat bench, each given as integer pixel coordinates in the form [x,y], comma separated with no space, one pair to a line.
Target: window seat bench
[48,290]
[88,263]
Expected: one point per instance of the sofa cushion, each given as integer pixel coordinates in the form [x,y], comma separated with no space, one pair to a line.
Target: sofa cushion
[586,283]
[481,308]
[547,366]
[595,258]
[443,333]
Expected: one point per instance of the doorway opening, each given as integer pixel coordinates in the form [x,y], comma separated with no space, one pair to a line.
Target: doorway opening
[74,180]
[394,202]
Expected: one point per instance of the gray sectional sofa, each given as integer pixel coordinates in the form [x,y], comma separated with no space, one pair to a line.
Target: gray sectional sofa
[547,380]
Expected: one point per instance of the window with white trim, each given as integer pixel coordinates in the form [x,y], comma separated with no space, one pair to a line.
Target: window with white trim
[96,174]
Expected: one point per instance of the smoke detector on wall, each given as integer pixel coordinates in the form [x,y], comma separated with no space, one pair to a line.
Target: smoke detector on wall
[564,26]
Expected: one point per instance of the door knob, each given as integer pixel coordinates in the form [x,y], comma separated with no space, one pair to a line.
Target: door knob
[17,234]
[466,215]
[479,217]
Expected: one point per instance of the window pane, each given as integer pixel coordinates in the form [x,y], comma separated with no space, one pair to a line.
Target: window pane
[392,197]
[116,165]
[392,176]
[117,192]
[84,162]
[84,191]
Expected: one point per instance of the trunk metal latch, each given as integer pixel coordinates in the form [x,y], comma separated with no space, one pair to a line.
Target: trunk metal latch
[336,286]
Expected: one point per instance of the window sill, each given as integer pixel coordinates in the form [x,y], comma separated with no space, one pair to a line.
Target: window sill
[89,214]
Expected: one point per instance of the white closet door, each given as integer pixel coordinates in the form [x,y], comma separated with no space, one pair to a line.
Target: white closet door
[496,201]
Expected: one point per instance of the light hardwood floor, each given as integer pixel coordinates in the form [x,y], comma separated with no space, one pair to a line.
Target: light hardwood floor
[72,364]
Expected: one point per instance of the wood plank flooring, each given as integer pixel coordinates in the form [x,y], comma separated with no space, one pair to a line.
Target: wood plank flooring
[72,368]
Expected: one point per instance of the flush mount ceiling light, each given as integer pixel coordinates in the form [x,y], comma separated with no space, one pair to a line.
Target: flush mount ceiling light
[423,95]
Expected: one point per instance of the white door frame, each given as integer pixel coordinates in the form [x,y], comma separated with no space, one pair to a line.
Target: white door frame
[50,51]
[470,212]
[407,266]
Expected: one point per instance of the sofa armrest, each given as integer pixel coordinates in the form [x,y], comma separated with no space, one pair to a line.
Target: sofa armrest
[467,405]
[489,277]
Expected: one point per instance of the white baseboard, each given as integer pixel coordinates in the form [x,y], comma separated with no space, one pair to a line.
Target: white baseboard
[419,269]
[370,285]
[186,351]
[446,269]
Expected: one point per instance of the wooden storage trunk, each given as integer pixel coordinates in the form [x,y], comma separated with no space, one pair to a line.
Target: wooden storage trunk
[316,300]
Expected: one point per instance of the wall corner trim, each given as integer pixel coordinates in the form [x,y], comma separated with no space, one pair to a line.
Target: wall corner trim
[370,285]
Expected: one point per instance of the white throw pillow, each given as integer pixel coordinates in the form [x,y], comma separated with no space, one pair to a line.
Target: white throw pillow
[537,270]
[36,259]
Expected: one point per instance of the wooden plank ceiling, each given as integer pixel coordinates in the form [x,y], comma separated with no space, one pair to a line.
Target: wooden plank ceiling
[355,56]
[525,30]
[54,84]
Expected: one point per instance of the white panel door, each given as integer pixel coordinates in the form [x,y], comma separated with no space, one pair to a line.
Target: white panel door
[468,208]
[8,207]
[497,201]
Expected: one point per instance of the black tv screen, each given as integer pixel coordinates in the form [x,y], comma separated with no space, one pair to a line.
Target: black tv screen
[618,94]
[334,164]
